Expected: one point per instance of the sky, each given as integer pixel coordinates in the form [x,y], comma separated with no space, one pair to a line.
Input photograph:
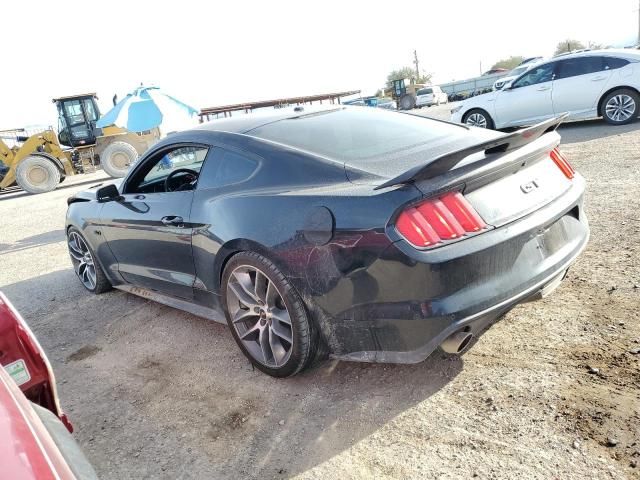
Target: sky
[209,53]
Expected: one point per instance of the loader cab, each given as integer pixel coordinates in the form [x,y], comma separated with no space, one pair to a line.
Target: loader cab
[77,117]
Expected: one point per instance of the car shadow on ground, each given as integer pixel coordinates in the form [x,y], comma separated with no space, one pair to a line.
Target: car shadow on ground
[33,241]
[156,392]
[576,132]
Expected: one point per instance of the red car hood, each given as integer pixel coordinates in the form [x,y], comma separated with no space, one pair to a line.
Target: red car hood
[27,450]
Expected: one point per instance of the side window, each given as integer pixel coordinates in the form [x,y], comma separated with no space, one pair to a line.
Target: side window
[573,67]
[540,74]
[152,177]
[226,167]
[611,63]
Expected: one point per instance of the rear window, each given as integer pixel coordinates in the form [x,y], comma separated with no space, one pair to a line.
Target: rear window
[614,62]
[350,134]
[424,91]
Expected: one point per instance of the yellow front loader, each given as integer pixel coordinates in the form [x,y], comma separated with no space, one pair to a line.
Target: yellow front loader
[38,163]
[35,162]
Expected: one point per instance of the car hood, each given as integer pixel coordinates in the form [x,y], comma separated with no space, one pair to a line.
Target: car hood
[484,101]
[28,451]
[504,80]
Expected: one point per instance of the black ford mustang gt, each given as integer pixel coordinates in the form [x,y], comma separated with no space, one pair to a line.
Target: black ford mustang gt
[353,232]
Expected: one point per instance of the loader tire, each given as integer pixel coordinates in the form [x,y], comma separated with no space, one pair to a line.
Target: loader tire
[117,157]
[37,174]
[407,102]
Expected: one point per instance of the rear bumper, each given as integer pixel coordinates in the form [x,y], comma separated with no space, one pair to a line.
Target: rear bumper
[425,296]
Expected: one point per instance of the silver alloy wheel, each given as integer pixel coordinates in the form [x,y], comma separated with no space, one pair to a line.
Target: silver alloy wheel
[82,260]
[477,120]
[259,315]
[620,107]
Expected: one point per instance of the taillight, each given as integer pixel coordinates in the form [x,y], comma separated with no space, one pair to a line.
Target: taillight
[447,217]
[563,164]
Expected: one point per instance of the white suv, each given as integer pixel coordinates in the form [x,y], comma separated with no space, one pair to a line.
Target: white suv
[598,83]
[432,95]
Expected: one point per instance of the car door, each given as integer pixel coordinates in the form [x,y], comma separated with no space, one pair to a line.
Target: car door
[148,229]
[528,100]
[226,173]
[578,84]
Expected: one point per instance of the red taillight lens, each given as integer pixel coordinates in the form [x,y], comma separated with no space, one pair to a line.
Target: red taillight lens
[563,164]
[446,217]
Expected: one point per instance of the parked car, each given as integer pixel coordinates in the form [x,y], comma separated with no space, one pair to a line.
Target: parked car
[36,441]
[513,74]
[362,233]
[387,104]
[531,60]
[432,95]
[493,71]
[588,84]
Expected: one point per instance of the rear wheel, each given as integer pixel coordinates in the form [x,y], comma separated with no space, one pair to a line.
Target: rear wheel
[620,106]
[117,157]
[477,118]
[266,316]
[36,174]
[85,265]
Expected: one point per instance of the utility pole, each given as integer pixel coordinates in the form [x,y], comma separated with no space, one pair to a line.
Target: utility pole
[638,22]
[415,60]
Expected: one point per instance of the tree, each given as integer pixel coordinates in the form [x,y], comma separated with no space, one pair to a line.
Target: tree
[508,63]
[569,45]
[407,72]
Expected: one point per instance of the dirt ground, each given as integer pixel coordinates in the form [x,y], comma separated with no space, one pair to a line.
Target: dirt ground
[550,391]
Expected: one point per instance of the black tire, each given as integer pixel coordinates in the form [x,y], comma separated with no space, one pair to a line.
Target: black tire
[117,157]
[36,174]
[407,102]
[478,111]
[102,284]
[304,334]
[629,97]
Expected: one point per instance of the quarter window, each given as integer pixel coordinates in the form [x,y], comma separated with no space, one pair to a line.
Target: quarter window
[226,167]
[572,67]
[611,63]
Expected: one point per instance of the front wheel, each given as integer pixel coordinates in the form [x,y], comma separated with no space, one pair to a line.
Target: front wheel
[84,262]
[266,316]
[477,118]
[620,106]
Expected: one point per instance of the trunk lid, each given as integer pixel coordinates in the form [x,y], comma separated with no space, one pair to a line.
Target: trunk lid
[504,177]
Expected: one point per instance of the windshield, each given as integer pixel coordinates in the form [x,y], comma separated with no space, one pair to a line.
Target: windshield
[355,133]
[518,70]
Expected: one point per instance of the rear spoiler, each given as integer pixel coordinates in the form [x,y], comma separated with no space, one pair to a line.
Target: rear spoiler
[446,162]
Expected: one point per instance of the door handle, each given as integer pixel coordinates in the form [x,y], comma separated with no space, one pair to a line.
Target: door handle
[172,221]
[597,79]
[542,89]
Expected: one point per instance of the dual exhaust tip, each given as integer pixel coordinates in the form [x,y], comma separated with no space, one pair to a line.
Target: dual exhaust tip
[457,342]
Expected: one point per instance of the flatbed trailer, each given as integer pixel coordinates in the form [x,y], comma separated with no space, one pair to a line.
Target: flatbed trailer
[211,113]
[471,86]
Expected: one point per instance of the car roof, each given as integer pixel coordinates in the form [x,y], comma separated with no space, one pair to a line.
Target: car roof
[243,123]
[629,54]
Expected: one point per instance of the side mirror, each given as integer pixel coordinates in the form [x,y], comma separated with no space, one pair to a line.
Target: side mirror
[108,193]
